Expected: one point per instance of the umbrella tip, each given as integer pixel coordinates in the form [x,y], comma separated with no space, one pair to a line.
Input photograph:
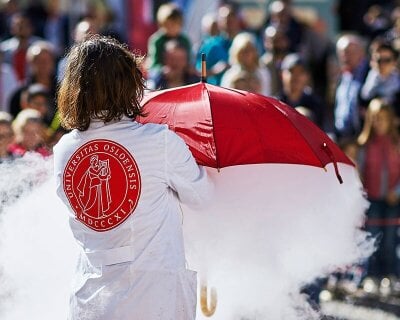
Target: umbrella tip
[203,68]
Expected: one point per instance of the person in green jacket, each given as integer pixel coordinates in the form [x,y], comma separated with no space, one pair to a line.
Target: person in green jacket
[170,21]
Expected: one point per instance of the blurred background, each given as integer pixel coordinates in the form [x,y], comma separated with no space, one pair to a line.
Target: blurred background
[335,61]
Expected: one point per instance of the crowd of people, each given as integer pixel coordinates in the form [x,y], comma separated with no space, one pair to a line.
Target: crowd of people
[348,86]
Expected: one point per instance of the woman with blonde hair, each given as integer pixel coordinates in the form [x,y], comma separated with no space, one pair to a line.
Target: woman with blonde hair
[379,163]
[243,56]
[30,134]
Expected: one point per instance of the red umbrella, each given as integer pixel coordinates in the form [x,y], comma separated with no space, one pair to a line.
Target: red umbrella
[225,127]
[270,188]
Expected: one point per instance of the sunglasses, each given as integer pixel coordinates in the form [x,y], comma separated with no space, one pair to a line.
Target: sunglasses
[384,60]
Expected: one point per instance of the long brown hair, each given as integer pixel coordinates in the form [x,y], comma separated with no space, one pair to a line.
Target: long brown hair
[102,81]
[375,106]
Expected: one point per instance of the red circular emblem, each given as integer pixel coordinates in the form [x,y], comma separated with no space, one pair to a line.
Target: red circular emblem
[102,184]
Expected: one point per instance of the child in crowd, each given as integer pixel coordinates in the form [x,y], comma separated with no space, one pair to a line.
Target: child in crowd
[379,164]
[6,136]
[36,97]
[176,69]
[30,134]
[170,21]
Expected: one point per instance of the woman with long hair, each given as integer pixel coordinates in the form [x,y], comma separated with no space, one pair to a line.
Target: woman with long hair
[379,163]
[122,183]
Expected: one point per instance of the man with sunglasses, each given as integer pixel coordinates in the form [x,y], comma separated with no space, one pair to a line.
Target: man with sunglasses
[383,79]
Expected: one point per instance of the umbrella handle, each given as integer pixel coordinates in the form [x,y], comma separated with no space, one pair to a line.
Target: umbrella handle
[328,151]
[208,307]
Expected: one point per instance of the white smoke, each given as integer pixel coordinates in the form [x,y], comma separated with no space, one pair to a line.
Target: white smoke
[37,251]
[21,176]
[270,230]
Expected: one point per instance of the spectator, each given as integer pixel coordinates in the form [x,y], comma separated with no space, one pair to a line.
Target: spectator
[354,68]
[209,25]
[296,91]
[30,134]
[36,11]
[246,81]
[82,31]
[315,48]
[41,59]
[393,34]
[108,19]
[376,21]
[375,44]
[56,27]
[229,24]
[6,137]
[276,45]
[170,21]
[383,79]
[7,10]
[176,69]
[212,46]
[37,98]
[379,164]
[243,56]
[15,48]
[8,84]
[351,13]
[281,18]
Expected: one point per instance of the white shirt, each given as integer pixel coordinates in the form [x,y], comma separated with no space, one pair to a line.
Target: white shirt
[137,270]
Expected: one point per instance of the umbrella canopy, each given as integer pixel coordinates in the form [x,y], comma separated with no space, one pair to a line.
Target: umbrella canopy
[274,212]
[225,127]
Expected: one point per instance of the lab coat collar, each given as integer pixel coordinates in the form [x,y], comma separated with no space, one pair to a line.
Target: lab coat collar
[97,123]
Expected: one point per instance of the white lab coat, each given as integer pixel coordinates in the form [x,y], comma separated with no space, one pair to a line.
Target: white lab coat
[137,270]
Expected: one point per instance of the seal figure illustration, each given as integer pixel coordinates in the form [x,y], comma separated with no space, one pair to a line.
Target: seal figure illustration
[102,182]
[94,188]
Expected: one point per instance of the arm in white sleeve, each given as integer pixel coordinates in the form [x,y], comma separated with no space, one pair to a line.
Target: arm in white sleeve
[58,173]
[185,177]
